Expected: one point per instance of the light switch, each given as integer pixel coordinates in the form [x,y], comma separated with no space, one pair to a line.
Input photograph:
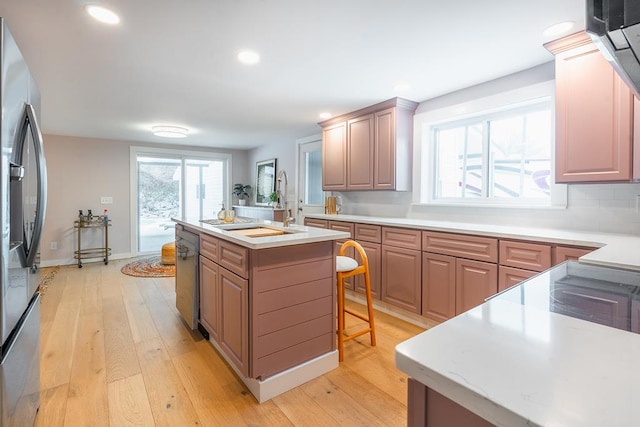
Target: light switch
[106,200]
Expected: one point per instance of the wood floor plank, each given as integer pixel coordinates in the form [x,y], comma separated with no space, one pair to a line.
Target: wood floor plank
[128,403]
[343,407]
[87,403]
[168,398]
[120,352]
[140,320]
[57,351]
[53,406]
[91,294]
[172,329]
[302,410]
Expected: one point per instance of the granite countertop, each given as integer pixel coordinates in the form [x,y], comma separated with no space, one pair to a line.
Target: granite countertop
[516,362]
[614,250]
[294,234]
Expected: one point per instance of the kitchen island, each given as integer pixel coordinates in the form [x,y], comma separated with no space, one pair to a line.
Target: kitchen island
[558,350]
[267,300]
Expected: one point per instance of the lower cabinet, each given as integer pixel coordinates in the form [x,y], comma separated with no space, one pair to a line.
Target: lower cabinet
[234,318]
[401,278]
[224,310]
[592,305]
[453,285]
[210,297]
[427,407]
[373,251]
[509,276]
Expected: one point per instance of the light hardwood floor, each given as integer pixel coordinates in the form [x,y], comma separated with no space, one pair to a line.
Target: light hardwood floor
[114,352]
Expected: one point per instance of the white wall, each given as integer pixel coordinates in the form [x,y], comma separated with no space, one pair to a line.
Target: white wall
[80,171]
[590,207]
[285,153]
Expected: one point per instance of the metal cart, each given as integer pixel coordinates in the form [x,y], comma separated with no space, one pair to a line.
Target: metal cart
[87,222]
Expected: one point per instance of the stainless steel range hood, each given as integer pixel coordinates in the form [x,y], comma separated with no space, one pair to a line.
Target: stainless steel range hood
[614,26]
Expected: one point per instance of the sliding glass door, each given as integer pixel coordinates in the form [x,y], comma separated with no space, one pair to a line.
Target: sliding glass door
[169,185]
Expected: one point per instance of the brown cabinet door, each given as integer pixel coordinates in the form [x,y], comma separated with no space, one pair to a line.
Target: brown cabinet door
[475,281]
[593,305]
[360,153]
[385,150]
[402,278]
[402,238]
[509,276]
[594,115]
[209,247]
[210,297]
[234,319]
[313,222]
[563,253]
[524,255]
[461,245]
[234,258]
[368,233]
[334,157]
[373,251]
[438,286]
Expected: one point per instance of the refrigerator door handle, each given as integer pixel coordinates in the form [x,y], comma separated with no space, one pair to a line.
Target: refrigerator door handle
[30,122]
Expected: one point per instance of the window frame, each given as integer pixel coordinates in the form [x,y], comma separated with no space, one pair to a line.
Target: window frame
[478,111]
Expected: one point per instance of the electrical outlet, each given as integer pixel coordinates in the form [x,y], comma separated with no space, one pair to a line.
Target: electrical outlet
[54,246]
[106,200]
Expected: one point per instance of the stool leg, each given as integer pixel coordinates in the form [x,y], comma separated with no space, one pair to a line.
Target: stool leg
[367,283]
[340,290]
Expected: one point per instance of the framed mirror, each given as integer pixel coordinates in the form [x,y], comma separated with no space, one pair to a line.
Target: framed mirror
[265,181]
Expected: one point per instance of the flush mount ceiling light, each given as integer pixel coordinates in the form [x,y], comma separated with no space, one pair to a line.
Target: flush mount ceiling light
[248,57]
[558,29]
[325,115]
[102,14]
[170,131]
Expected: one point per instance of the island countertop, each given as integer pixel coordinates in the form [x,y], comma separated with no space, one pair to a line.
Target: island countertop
[517,361]
[294,234]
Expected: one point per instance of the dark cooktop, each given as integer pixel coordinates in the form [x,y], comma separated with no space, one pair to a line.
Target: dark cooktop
[604,295]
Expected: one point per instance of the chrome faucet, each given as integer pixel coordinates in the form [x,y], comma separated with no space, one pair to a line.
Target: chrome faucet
[288,219]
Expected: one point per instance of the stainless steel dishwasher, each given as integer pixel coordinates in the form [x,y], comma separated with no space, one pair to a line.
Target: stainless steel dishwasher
[187,292]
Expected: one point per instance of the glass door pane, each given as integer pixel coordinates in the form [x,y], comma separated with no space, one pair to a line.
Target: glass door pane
[310,179]
[204,188]
[159,187]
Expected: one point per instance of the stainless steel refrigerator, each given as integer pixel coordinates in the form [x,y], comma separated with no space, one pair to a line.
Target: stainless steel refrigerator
[22,208]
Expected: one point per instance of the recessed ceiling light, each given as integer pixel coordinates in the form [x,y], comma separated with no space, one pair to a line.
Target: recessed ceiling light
[248,57]
[102,14]
[401,86]
[558,29]
[170,131]
[325,115]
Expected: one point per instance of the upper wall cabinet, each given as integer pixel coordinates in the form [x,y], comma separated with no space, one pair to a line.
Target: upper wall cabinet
[594,115]
[369,149]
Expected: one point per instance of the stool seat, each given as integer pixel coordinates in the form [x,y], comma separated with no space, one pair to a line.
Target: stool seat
[345,263]
[349,267]
[168,253]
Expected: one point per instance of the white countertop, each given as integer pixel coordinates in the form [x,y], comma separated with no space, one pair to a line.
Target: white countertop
[614,250]
[295,234]
[518,364]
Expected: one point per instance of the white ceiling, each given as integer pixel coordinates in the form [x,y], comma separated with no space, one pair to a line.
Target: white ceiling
[174,61]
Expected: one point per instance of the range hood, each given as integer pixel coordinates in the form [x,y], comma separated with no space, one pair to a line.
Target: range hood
[614,26]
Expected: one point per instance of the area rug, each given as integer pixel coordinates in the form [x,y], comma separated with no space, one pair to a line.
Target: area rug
[47,275]
[149,267]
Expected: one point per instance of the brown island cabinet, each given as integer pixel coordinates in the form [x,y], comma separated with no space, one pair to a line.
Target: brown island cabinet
[269,311]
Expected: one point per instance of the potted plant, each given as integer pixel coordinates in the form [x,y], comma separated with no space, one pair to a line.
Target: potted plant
[274,199]
[241,191]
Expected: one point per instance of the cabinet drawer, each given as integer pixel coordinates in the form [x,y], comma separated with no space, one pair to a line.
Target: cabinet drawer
[401,238]
[509,276]
[461,245]
[234,258]
[209,247]
[313,222]
[347,227]
[368,233]
[565,253]
[530,256]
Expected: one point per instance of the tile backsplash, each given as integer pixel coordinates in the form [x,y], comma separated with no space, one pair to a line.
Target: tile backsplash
[608,208]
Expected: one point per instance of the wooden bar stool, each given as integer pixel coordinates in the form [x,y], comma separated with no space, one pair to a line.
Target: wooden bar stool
[348,267]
